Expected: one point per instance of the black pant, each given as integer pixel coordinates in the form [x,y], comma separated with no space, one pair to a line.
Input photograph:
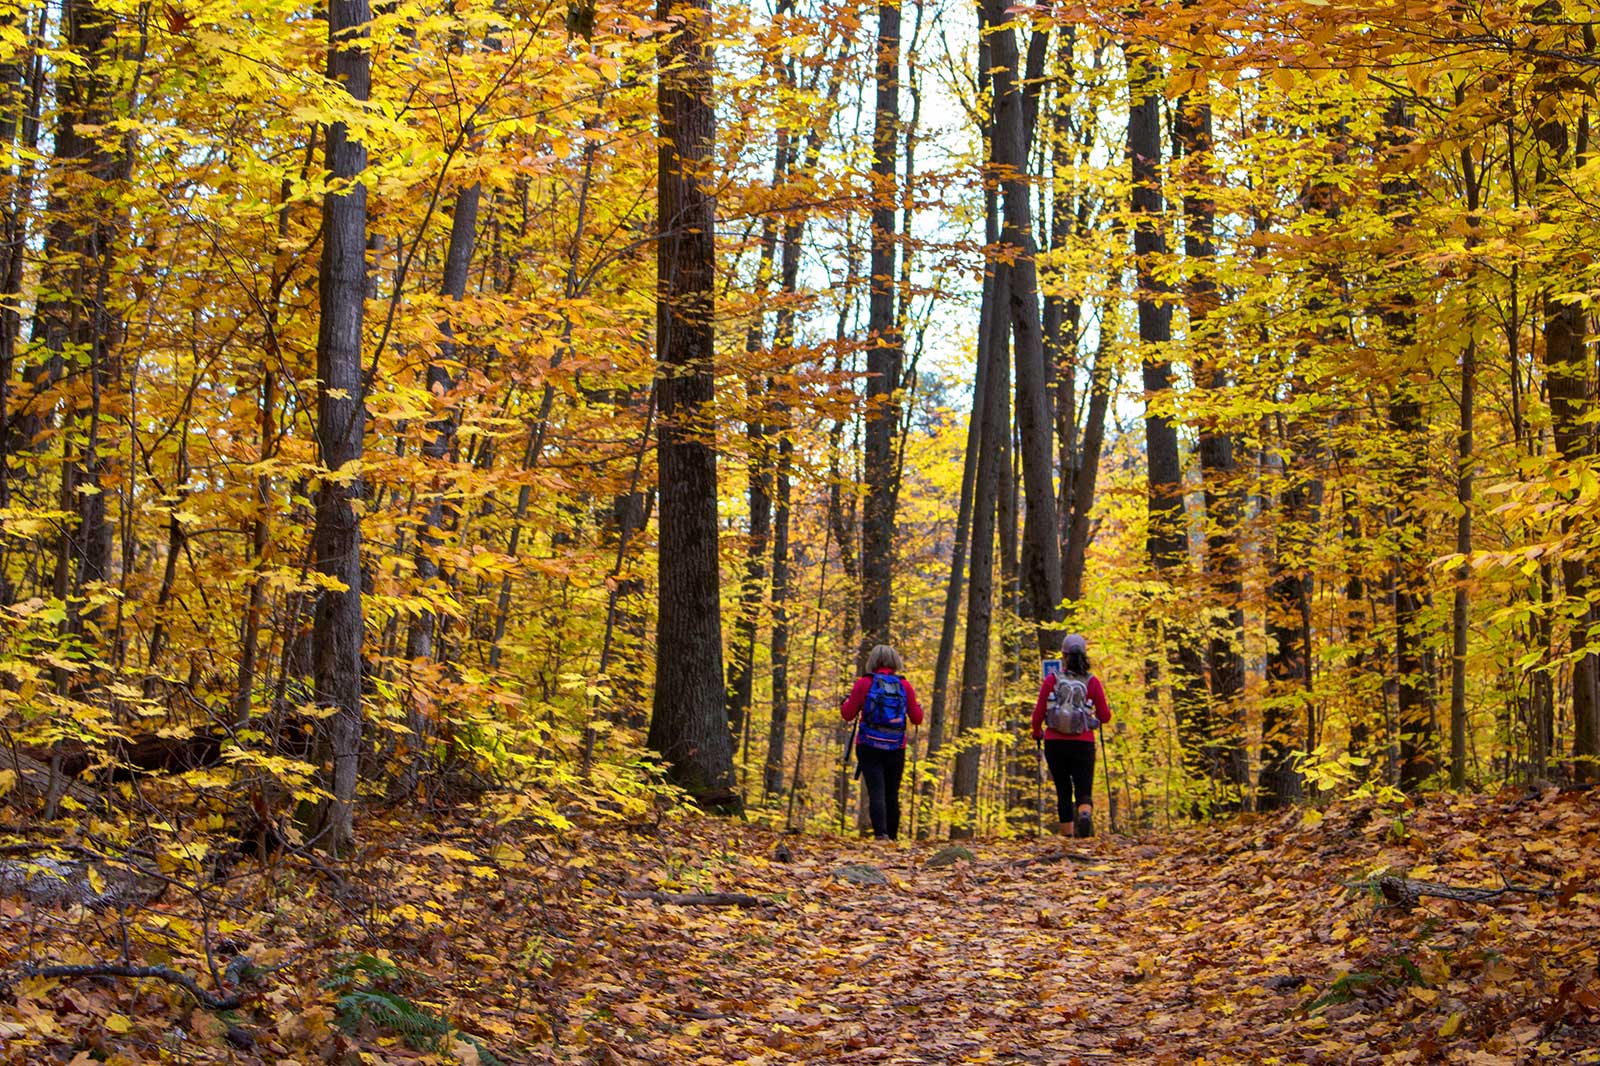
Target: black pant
[1071,765]
[882,771]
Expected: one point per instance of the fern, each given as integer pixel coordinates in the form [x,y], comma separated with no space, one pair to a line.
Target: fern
[364,968]
[421,1029]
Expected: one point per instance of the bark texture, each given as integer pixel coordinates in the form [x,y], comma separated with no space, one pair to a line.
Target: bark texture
[337,627]
[688,721]
[884,353]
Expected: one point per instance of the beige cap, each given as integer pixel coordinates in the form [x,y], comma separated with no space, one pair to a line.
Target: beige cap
[1073,642]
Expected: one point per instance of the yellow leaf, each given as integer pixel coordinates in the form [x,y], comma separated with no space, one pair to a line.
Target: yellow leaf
[1451,1025]
[8,781]
[119,1023]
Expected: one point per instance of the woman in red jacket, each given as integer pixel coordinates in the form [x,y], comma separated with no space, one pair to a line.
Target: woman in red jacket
[890,704]
[1070,755]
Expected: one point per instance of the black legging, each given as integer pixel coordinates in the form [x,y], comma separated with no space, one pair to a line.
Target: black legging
[1071,765]
[882,770]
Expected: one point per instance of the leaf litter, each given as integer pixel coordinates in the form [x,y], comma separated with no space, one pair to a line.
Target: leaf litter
[1259,940]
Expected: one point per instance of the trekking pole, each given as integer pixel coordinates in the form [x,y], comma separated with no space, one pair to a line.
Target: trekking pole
[844,771]
[1105,765]
[1038,788]
[916,762]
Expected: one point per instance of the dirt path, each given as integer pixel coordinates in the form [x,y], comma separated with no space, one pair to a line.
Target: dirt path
[1240,948]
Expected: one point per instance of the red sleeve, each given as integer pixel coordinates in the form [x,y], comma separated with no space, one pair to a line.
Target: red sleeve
[858,695]
[913,708]
[1040,704]
[1097,695]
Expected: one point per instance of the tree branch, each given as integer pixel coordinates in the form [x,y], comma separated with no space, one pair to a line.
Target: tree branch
[159,973]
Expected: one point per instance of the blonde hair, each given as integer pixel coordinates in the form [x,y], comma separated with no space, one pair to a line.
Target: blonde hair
[883,657]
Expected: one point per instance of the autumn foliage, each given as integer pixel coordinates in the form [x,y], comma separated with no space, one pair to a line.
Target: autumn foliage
[441,445]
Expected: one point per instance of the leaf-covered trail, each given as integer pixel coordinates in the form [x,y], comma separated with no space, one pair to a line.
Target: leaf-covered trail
[492,942]
[1242,945]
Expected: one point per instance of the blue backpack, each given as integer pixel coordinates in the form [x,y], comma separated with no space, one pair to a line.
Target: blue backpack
[883,716]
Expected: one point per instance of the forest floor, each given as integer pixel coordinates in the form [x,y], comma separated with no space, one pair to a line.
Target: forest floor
[1264,940]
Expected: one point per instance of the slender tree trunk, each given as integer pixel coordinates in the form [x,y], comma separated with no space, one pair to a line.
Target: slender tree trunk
[1009,152]
[1288,641]
[337,630]
[423,632]
[1167,541]
[1086,472]
[436,448]
[1010,583]
[773,782]
[741,670]
[958,551]
[884,352]
[689,721]
[788,360]
[980,587]
[1418,744]
[1459,613]
[74,313]
[21,88]
[1225,639]
[1356,620]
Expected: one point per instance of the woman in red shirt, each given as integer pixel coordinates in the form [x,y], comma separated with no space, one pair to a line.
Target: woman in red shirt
[1070,756]
[890,704]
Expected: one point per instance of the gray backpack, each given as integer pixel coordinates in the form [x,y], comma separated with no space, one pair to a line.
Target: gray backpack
[1069,709]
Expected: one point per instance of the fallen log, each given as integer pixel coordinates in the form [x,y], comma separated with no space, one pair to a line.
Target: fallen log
[34,778]
[158,973]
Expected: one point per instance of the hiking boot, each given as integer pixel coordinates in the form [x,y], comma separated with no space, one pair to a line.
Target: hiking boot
[1085,823]
[1063,829]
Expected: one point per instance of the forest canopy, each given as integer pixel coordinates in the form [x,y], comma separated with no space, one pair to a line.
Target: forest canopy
[409,402]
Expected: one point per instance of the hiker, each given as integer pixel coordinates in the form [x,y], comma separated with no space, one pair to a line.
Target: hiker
[1070,707]
[887,703]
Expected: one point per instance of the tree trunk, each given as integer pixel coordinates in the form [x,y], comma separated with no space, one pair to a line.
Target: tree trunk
[1009,151]
[1418,745]
[1006,528]
[958,551]
[980,587]
[337,629]
[1288,641]
[741,671]
[773,781]
[1459,609]
[21,88]
[1167,540]
[784,343]
[423,632]
[1086,473]
[1225,748]
[74,315]
[1567,381]
[689,721]
[884,344]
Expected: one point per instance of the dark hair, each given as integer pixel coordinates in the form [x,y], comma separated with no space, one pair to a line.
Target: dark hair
[1075,662]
